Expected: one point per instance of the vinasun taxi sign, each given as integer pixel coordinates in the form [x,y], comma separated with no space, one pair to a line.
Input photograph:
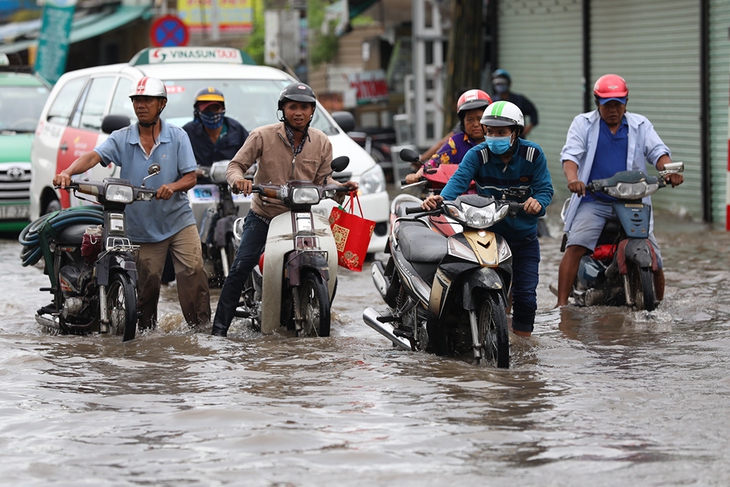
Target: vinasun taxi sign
[168,55]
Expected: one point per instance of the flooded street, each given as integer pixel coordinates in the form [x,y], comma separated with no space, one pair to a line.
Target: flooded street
[598,396]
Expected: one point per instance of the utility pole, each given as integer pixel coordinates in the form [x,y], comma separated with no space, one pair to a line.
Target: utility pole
[465,54]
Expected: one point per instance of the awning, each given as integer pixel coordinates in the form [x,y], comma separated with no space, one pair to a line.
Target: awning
[84,27]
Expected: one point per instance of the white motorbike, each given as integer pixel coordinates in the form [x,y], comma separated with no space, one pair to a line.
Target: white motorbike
[293,285]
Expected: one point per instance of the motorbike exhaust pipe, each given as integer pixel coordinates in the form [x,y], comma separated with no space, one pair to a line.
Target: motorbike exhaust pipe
[381,282]
[370,317]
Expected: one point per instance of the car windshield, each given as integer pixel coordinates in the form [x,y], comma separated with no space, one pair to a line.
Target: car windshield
[251,102]
[20,107]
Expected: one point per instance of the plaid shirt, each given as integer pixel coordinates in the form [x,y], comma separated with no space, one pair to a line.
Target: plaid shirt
[290,137]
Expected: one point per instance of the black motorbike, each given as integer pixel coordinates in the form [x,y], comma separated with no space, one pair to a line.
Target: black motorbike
[216,227]
[89,260]
[447,294]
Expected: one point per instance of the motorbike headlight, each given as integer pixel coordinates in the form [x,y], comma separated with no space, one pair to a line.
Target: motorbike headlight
[632,191]
[372,180]
[119,193]
[486,216]
[218,172]
[305,196]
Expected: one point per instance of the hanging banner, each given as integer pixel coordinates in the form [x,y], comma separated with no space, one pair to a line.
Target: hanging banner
[234,16]
[371,86]
[54,38]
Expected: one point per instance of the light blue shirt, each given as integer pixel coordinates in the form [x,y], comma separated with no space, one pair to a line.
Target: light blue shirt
[580,147]
[156,220]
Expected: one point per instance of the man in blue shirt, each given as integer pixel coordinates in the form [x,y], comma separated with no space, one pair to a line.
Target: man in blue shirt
[166,223]
[599,144]
[505,161]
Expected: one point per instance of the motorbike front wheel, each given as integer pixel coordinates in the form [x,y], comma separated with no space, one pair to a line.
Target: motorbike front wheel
[121,302]
[493,332]
[642,285]
[314,306]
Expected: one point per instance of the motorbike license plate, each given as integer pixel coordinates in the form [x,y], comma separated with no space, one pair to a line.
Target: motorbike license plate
[14,211]
[204,193]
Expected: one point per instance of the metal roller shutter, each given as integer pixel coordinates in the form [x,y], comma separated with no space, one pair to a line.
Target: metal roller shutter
[657,50]
[540,44]
[719,84]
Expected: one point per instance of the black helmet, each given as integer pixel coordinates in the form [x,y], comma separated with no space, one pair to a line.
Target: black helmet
[296,92]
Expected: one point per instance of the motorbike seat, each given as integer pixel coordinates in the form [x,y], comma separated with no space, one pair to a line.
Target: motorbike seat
[72,234]
[421,244]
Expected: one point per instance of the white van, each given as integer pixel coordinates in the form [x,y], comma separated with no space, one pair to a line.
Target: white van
[71,122]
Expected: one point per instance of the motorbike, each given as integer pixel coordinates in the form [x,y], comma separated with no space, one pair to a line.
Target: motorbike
[216,223]
[91,269]
[294,283]
[433,181]
[620,271]
[447,294]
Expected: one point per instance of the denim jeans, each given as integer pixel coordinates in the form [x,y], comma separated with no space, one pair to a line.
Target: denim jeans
[249,251]
[525,276]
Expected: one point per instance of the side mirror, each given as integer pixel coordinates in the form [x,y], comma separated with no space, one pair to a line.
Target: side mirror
[345,120]
[153,170]
[339,164]
[114,122]
[409,155]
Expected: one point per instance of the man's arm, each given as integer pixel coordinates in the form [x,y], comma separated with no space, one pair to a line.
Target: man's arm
[575,185]
[80,165]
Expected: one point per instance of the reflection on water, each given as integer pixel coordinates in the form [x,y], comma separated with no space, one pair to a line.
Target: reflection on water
[599,396]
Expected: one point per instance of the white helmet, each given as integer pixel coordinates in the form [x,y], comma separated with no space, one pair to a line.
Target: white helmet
[503,114]
[148,86]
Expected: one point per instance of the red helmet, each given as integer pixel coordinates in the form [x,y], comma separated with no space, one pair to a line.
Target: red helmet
[472,99]
[610,86]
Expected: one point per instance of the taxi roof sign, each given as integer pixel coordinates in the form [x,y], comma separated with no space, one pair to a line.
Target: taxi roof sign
[169,55]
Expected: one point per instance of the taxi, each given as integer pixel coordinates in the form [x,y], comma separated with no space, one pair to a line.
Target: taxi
[72,118]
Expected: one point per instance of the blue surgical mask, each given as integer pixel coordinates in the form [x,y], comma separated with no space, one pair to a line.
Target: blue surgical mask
[499,145]
[211,120]
[500,88]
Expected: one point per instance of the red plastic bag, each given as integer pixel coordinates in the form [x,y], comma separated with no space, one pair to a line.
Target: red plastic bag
[91,244]
[352,234]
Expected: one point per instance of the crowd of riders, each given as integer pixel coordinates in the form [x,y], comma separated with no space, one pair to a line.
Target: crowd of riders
[489,145]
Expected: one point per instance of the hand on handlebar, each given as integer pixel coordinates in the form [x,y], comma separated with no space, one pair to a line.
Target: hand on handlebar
[577,186]
[62,180]
[164,192]
[532,206]
[432,202]
[675,179]
[414,177]
[243,185]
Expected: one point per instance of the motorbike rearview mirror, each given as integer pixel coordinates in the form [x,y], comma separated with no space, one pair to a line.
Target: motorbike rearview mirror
[673,167]
[114,122]
[409,155]
[339,164]
[153,170]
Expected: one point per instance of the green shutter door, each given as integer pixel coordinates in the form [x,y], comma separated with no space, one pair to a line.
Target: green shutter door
[540,44]
[655,46]
[719,86]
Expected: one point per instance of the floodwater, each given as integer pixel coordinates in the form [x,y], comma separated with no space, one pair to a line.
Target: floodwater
[601,396]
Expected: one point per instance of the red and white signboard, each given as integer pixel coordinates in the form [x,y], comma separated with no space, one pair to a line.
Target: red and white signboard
[371,86]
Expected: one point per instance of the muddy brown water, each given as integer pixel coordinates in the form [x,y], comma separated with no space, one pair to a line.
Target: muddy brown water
[599,396]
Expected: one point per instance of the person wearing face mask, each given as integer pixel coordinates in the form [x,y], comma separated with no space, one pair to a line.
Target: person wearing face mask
[214,136]
[501,84]
[469,109]
[506,161]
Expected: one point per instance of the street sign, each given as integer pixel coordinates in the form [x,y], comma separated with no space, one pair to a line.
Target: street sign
[169,31]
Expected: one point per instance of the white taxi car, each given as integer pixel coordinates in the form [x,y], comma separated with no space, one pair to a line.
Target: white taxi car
[71,121]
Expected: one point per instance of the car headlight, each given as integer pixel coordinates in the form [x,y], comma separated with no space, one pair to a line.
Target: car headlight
[119,193]
[632,191]
[305,196]
[486,216]
[372,180]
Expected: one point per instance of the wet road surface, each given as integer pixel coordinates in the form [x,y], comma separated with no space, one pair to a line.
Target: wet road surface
[599,396]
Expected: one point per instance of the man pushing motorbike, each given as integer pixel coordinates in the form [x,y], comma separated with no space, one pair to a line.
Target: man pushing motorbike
[289,150]
[599,144]
[507,162]
[168,222]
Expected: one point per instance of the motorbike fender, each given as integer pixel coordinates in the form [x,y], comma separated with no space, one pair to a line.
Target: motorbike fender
[637,250]
[482,278]
[223,228]
[279,243]
[300,261]
[110,262]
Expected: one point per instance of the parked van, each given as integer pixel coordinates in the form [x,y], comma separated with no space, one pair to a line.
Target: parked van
[71,121]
